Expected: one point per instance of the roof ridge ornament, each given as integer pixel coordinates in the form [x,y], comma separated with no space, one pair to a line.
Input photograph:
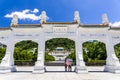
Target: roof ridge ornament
[77,17]
[43,17]
[105,20]
[14,21]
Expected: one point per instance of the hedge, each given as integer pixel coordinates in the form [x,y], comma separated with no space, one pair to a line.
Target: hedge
[24,63]
[96,63]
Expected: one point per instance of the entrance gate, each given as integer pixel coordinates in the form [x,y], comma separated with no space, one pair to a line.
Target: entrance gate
[75,31]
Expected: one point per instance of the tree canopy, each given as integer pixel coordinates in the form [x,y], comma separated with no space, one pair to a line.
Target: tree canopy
[117,50]
[94,50]
[26,50]
[60,42]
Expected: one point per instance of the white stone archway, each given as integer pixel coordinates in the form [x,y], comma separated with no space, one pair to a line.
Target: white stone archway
[73,30]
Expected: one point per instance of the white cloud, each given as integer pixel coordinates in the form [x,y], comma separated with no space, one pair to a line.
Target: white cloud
[25,14]
[115,24]
[35,10]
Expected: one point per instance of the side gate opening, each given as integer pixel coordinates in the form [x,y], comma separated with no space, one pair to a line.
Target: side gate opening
[2,51]
[25,54]
[117,50]
[95,54]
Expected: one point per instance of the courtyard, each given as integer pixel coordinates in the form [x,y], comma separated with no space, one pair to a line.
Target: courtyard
[57,73]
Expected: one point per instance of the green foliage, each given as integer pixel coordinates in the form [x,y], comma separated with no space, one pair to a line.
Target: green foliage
[24,51]
[60,42]
[117,50]
[2,52]
[22,54]
[94,50]
[72,56]
[25,45]
[96,63]
[49,57]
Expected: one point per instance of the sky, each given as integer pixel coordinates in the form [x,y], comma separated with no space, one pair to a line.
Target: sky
[29,11]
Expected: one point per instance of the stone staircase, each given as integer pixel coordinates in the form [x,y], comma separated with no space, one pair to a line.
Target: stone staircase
[55,63]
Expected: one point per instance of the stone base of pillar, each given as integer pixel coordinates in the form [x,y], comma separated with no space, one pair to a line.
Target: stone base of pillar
[81,69]
[113,69]
[39,69]
[7,69]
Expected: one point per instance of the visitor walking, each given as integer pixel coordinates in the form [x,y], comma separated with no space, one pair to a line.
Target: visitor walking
[65,66]
[68,65]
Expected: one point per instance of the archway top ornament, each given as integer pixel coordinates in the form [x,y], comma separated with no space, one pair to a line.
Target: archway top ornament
[43,21]
[14,21]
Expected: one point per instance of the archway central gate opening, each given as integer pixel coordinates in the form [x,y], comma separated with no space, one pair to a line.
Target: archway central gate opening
[57,51]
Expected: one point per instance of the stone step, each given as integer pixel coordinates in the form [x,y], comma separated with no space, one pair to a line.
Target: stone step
[57,68]
[55,63]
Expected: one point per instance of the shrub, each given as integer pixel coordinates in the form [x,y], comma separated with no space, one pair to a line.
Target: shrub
[72,56]
[49,57]
[2,52]
[95,63]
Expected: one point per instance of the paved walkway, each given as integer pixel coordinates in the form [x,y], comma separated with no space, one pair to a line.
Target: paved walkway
[24,73]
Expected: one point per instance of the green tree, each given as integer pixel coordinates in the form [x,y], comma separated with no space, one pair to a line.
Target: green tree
[24,51]
[2,53]
[48,57]
[72,56]
[94,50]
[60,42]
[117,50]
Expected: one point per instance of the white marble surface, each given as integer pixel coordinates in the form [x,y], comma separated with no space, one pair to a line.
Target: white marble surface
[78,33]
[25,73]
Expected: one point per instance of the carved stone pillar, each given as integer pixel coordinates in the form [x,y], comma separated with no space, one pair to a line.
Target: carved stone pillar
[80,64]
[112,62]
[7,64]
[39,65]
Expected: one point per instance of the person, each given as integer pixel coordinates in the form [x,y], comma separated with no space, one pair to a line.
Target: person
[70,67]
[65,66]
[68,64]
